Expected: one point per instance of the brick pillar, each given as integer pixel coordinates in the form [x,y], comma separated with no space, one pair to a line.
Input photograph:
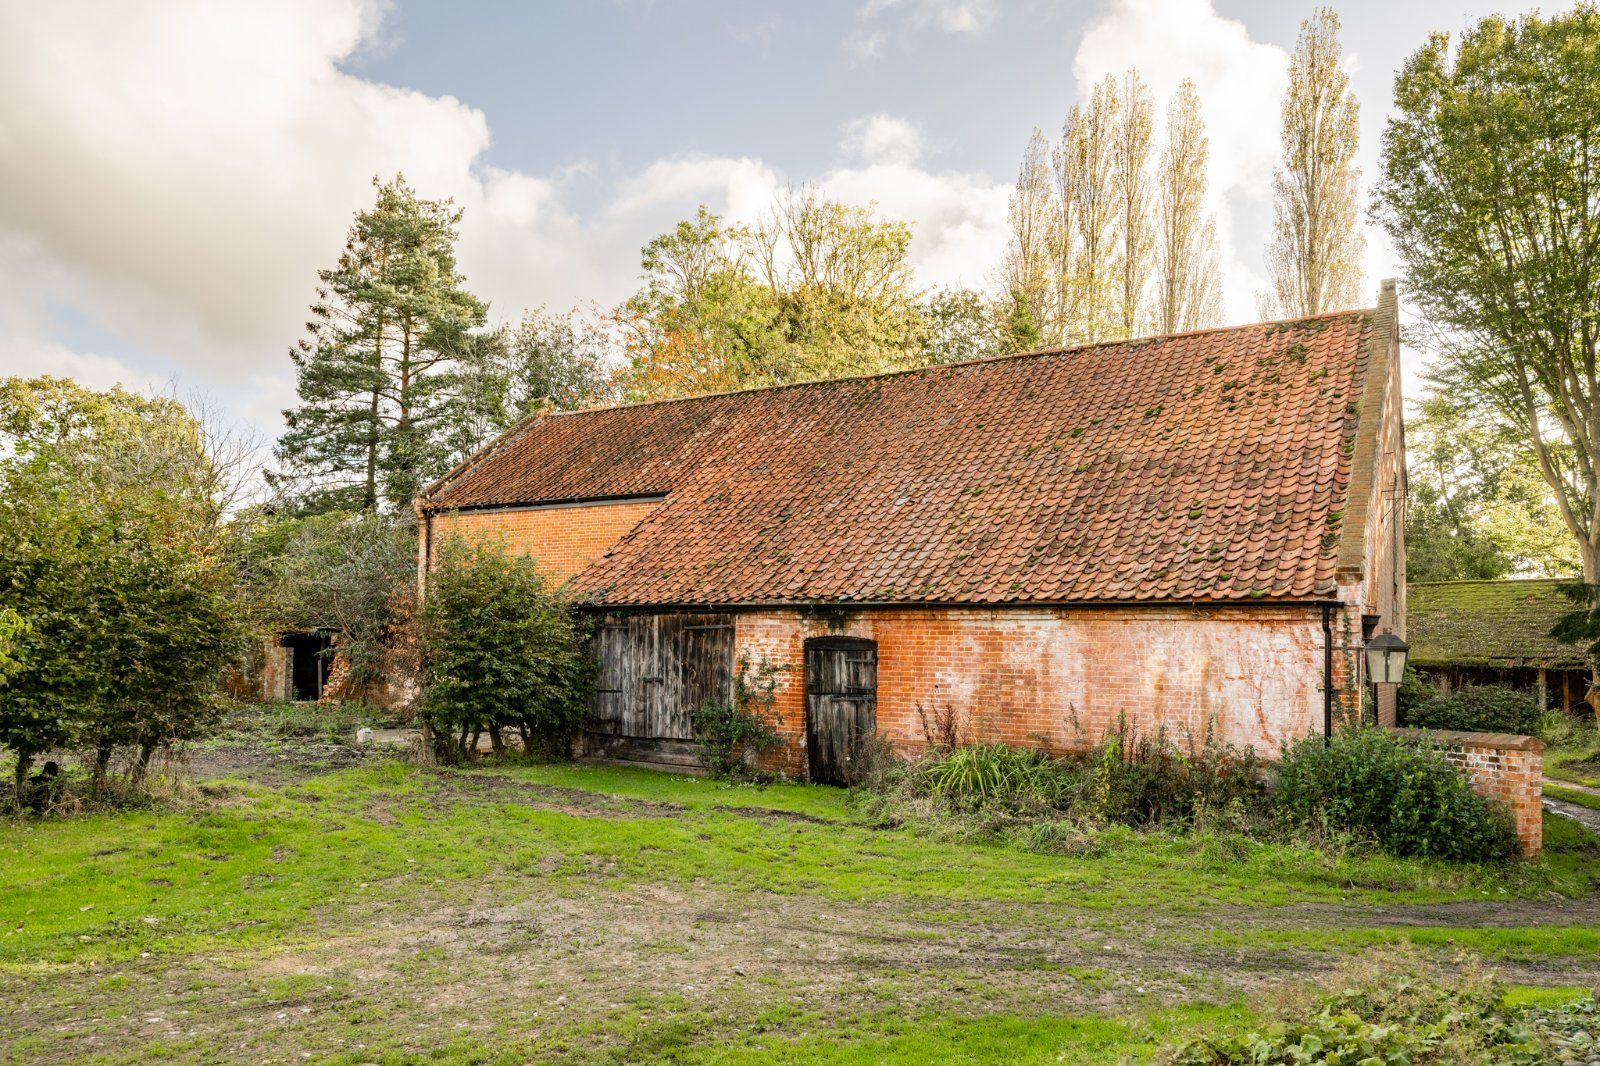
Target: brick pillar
[1388,704]
[274,669]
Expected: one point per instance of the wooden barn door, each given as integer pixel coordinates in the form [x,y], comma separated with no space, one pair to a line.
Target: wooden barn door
[653,671]
[841,703]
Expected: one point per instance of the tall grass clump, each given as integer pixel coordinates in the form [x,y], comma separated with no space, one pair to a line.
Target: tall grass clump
[1128,779]
[1144,779]
[993,774]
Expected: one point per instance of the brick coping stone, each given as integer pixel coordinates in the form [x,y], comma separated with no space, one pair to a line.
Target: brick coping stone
[1462,738]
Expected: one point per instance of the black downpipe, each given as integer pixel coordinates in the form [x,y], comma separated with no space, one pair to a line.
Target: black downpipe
[1327,674]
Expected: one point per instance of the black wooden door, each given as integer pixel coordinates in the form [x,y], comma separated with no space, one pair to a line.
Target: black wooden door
[841,704]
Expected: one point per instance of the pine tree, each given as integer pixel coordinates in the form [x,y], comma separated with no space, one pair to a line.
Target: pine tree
[377,368]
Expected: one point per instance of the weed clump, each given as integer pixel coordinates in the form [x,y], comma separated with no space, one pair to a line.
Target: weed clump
[1390,1009]
[1050,803]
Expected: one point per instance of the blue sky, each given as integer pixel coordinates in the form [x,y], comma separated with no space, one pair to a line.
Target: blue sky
[176,172]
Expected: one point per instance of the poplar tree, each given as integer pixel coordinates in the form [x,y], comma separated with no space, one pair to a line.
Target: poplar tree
[377,368]
[1130,187]
[1029,265]
[1314,258]
[1084,162]
[1188,289]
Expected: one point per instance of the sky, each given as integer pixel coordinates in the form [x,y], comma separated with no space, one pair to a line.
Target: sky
[173,173]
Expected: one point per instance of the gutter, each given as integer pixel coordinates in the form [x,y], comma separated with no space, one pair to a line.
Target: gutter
[1327,674]
[948,605]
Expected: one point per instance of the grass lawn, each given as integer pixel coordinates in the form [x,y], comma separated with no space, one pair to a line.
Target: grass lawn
[1582,768]
[378,912]
[1582,797]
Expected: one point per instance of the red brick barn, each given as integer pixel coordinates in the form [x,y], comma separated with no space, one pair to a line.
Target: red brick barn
[1191,531]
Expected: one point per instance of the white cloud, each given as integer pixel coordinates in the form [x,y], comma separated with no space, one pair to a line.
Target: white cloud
[883,138]
[182,169]
[30,358]
[958,219]
[952,16]
[864,45]
[740,189]
[1240,82]
[175,173]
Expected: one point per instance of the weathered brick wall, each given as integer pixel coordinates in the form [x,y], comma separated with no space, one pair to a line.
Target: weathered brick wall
[1504,767]
[1061,678]
[563,540]
[274,669]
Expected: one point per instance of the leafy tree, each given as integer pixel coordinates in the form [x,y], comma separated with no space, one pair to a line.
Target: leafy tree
[960,324]
[1027,273]
[352,574]
[500,651]
[12,628]
[1092,222]
[1130,184]
[702,323]
[544,362]
[1477,507]
[113,549]
[1084,184]
[1315,254]
[376,372]
[1487,192]
[818,289]
[1187,272]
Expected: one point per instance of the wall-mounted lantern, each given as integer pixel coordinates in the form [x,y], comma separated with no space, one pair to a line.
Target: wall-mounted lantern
[1386,659]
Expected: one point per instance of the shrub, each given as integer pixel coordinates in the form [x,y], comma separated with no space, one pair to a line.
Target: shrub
[1561,731]
[730,733]
[116,567]
[1413,692]
[1478,708]
[1404,796]
[1146,779]
[500,652]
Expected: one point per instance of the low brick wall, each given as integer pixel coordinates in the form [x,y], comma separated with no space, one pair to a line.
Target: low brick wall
[1502,766]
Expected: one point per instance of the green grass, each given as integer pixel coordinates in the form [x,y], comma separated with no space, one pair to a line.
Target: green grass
[996,1038]
[1573,795]
[481,898]
[1575,765]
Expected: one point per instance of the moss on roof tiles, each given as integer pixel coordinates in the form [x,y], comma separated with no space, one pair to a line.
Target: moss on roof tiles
[1488,623]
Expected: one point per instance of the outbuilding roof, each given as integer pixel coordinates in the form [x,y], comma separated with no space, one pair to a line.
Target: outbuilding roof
[1207,466]
[1488,623]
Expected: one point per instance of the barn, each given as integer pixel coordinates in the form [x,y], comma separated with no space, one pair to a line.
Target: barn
[1193,532]
[1498,633]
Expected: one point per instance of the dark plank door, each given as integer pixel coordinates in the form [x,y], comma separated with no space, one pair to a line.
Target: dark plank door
[653,670]
[841,704]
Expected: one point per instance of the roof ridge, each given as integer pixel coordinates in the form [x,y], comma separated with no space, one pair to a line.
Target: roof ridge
[1032,353]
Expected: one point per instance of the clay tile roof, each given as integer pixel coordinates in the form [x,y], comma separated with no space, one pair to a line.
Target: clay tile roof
[1488,623]
[1207,466]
